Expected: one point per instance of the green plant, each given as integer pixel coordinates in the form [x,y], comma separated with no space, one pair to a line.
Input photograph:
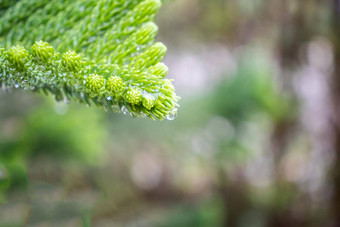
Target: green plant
[94,52]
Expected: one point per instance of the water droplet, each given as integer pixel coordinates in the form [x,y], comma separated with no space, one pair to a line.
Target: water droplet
[124,110]
[61,108]
[115,108]
[172,115]
[66,100]
[109,98]
[59,97]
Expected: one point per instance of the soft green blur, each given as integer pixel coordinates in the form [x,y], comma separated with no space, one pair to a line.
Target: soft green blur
[246,148]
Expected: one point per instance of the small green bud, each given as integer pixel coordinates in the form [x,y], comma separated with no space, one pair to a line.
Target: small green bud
[146,33]
[160,69]
[115,85]
[148,7]
[149,101]
[71,60]
[18,56]
[133,96]
[95,84]
[151,56]
[42,51]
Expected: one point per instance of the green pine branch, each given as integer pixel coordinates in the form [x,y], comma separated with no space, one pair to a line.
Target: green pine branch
[100,53]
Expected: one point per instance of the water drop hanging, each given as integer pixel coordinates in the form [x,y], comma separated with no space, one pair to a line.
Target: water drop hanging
[172,115]
[124,110]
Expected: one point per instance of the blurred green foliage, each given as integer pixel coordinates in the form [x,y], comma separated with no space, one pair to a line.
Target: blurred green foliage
[60,134]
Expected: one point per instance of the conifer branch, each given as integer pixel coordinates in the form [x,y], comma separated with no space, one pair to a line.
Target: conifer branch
[106,58]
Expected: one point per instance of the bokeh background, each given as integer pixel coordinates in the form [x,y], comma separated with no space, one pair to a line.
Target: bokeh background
[256,141]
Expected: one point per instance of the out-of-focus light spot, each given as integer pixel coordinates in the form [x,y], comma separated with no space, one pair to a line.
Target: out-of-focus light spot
[194,179]
[312,87]
[220,129]
[259,170]
[320,54]
[254,133]
[61,108]
[201,145]
[293,166]
[146,171]
[199,70]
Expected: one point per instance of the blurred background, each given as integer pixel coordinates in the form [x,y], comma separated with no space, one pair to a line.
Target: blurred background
[256,141]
